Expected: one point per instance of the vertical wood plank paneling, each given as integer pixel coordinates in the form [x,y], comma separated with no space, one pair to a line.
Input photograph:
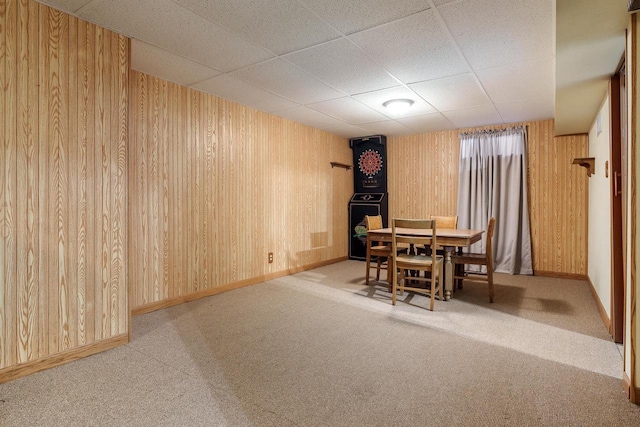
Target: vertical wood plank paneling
[43,186]
[63,152]
[120,108]
[91,181]
[224,193]
[27,169]
[146,181]
[178,199]
[155,171]
[232,184]
[22,153]
[9,228]
[207,163]
[112,159]
[4,101]
[79,181]
[53,107]
[105,154]
[121,184]
[143,178]
[255,204]
[7,46]
[558,235]
[175,178]
[191,133]
[63,188]
[98,237]
[198,115]
[72,253]
[164,150]
[276,182]
[33,201]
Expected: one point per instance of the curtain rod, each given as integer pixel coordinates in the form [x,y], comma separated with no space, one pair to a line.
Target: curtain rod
[492,131]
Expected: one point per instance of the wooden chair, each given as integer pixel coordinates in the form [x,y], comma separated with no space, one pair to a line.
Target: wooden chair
[485,259]
[407,261]
[450,222]
[446,221]
[441,222]
[378,249]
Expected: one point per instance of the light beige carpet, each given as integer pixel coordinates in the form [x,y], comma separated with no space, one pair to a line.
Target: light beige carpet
[321,349]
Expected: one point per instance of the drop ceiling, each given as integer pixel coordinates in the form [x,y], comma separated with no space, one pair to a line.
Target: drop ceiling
[331,64]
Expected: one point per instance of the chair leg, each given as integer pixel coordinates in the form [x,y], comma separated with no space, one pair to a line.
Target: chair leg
[458,270]
[378,264]
[394,289]
[389,265]
[490,280]
[366,277]
[434,279]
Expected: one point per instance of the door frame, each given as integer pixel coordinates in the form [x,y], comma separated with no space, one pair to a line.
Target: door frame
[617,94]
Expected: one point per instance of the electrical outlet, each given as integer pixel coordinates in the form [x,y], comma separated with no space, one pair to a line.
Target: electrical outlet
[270,257]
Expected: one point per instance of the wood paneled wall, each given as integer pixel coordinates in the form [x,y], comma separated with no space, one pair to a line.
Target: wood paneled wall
[63,150]
[558,190]
[423,174]
[214,186]
[558,200]
[184,193]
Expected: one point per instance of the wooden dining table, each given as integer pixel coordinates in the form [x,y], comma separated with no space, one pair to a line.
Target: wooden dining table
[448,238]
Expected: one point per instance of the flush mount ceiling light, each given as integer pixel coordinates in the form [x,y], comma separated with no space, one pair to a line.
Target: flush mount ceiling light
[398,106]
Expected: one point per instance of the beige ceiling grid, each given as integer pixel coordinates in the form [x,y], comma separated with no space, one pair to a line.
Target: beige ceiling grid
[332,63]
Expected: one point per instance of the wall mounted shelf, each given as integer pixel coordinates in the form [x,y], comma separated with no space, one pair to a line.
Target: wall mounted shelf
[341,165]
[586,162]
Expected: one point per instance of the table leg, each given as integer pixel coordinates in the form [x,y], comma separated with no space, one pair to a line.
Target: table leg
[366,280]
[448,273]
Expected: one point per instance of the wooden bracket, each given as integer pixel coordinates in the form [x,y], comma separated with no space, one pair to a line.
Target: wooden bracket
[586,162]
[341,165]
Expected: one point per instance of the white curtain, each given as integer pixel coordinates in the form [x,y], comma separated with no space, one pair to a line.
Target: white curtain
[493,183]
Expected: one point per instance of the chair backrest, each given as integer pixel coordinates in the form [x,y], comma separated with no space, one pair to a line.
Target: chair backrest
[428,238]
[489,250]
[374,222]
[446,221]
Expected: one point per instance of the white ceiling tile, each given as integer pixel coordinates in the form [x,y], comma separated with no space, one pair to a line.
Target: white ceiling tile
[491,33]
[427,123]
[388,128]
[356,15]
[234,89]
[451,57]
[69,6]
[483,115]
[348,131]
[527,110]
[281,26]
[349,110]
[164,23]
[377,98]
[452,93]
[169,66]
[343,66]
[413,49]
[519,81]
[310,117]
[288,81]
